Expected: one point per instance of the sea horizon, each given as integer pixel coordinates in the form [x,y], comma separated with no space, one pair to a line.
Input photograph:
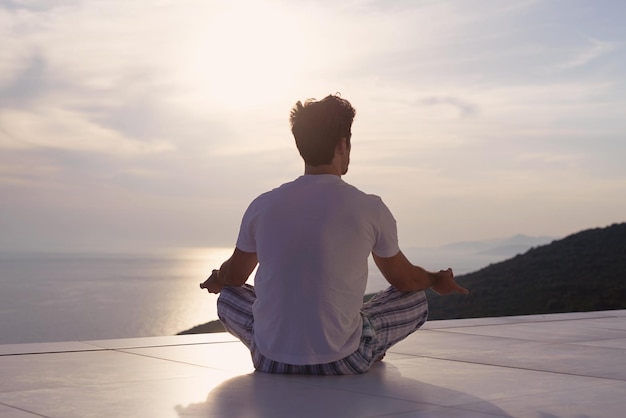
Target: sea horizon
[61,295]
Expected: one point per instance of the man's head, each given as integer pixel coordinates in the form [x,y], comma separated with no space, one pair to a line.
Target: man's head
[319,126]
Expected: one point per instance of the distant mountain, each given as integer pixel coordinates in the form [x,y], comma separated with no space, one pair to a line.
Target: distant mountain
[500,247]
[212,326]
[585,271]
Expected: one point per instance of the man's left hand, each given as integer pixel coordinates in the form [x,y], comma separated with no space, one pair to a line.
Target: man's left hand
[213,284]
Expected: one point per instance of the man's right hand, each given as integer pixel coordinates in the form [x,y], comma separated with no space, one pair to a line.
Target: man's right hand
[406,277]
[445,284]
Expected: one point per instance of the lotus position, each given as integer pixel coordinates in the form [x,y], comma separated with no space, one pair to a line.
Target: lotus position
[311,239]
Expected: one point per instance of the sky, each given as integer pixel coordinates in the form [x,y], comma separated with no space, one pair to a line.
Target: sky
[151,124]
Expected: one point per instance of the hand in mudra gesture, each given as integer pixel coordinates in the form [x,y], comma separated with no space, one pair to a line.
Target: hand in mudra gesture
[445,284]
[213,284]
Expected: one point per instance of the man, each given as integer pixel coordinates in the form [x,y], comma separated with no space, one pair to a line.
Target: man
[311,239]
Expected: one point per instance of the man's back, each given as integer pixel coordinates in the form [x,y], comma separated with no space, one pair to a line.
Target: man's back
[312,238]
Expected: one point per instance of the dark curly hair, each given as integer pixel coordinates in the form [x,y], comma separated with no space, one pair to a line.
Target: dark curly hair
[318,126]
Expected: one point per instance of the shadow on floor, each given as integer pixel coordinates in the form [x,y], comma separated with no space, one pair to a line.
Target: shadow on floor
[382,391]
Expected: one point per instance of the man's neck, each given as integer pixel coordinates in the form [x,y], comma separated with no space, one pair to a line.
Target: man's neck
[322,169]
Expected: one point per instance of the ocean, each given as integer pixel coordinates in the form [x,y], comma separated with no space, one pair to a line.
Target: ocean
[92,296]
[81,296]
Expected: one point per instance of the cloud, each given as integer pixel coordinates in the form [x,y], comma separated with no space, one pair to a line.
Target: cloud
[26,85]
[182,107]
[464,109]
[58,128]
[583,55]
[33,5]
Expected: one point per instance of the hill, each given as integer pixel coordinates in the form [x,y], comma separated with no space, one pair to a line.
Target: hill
[585,271]
[582,272]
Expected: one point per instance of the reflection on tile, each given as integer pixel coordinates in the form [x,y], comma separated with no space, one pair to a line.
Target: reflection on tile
[40,371]
[232,356]
[154,398]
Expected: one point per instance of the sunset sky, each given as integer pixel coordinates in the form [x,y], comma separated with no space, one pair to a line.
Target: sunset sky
[146,124]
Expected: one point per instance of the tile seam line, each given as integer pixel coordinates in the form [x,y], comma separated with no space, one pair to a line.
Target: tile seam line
[528,321]
[54,352]
[24,410]
[160,345]
[527,340]
[121,351]
[97,348]
[515,368]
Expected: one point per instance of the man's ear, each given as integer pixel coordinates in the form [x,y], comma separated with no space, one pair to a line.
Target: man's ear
[342,146]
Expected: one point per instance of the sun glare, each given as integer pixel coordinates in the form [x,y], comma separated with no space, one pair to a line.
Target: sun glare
[246,56]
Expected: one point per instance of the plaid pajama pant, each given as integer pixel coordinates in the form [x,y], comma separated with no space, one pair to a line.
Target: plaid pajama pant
[389,317]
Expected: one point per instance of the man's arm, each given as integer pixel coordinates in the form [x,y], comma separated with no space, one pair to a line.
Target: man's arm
[406,277]
[233,272]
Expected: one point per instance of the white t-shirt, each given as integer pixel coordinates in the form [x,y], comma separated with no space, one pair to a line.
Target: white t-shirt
[313,237]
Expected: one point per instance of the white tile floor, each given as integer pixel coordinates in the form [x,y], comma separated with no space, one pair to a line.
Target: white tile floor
[542,366]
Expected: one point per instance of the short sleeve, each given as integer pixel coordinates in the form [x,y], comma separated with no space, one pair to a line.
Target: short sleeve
[246,240]
[386,244]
